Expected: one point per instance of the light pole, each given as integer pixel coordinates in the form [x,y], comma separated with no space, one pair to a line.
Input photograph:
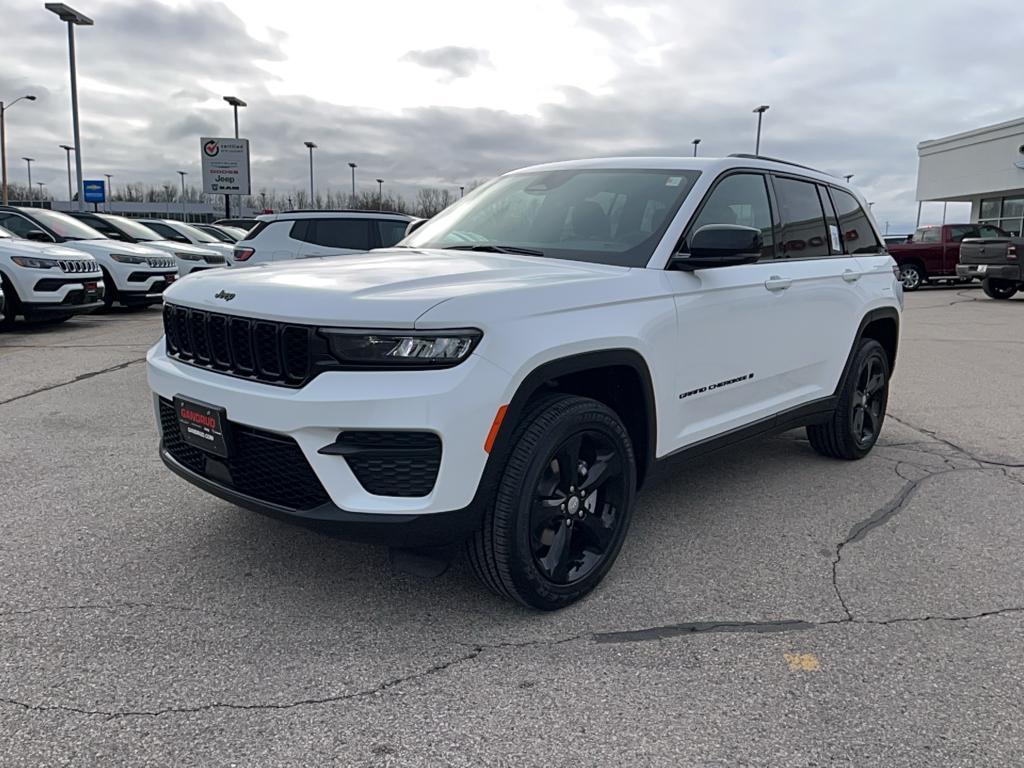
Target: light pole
[183,174]
[41,184]
[3,141]
[73,18]
[68,150]
[353,167]
[311,146]
[760,114]
[109,193]
[462,191]
[235,103]
[695,142]
[848,177]
[380,194]
[28,163]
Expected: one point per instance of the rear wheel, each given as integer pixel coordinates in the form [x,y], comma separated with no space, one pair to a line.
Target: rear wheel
[562,507]
[853,428]
[912,276]
[998,289]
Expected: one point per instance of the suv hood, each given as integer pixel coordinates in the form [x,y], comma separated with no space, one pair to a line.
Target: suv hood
[169,246]
[103,248]
[383,289]
[14,247]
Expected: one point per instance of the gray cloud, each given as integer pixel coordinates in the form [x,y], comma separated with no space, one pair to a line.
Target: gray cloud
[454,61]
[848,95]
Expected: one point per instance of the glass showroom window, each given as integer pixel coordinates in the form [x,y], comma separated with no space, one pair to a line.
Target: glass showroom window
[1006,213]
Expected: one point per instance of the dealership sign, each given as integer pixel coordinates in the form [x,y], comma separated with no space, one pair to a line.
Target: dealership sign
[95,190]
[225,166]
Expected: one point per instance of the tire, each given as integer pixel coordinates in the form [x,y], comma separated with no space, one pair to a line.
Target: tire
[853,428]
[545,540]
[912,276]
[12,305]
[998,289]
[109,292]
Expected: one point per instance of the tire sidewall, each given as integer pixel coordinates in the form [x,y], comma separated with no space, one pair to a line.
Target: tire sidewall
[920,276]
[528,579]
[869,348]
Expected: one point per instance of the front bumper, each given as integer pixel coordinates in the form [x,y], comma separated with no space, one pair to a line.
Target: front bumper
[457,404]
[143,287]
[1012,272]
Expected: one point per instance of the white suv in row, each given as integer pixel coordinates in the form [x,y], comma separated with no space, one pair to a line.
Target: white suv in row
[513,371]
[305,234]
[45,282]
[133,275]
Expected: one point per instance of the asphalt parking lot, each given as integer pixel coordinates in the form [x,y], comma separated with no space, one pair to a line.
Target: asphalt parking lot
[770,607]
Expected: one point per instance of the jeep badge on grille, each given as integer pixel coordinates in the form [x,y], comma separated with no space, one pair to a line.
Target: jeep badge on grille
[227,296]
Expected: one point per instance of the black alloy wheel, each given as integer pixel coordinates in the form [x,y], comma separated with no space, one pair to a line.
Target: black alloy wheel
[869,399]
[577,507]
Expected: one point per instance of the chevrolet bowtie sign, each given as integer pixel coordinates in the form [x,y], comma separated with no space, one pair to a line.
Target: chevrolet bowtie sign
[225,166]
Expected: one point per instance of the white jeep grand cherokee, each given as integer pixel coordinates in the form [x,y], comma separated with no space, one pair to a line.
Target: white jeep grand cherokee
[512,372]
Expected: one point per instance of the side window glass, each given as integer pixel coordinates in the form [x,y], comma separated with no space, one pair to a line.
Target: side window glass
[18,225]
[804,235]
[835,238]
[930,235]
[741,198]
[343,233]
[858,234]
[390,232]
[301,230]
[988,231]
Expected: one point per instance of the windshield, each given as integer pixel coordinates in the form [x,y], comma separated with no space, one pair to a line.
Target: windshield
[196,234]
[66,226]
[608,216]
[131,228]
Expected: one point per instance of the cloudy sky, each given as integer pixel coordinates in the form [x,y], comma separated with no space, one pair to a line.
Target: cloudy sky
[445,92]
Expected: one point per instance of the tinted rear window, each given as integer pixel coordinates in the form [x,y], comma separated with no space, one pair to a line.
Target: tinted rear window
[391,232]
[803,221]
[854,224]
[341,233]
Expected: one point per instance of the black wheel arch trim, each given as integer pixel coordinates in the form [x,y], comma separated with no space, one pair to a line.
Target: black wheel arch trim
[880,313]
[552,370]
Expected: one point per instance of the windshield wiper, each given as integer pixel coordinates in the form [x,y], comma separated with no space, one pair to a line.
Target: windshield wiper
[491,248]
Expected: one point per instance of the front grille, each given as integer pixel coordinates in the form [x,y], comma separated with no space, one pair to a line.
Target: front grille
[274,353]
[161,262]
[264,465]
[393,463]
[77,266]
[214,258]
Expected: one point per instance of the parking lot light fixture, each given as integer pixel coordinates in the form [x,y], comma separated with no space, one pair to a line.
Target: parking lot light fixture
[311,146]
[109,193]
[848,177]
[73,19]
[184,215]
[28,164]
[3,140]
[462,191]
[695,142]
[353,166]
[235,103]
[68,150]
[760,114]
[380,194]
[42,194]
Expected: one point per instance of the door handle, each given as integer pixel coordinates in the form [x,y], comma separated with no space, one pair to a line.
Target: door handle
[776,283]
[850,276]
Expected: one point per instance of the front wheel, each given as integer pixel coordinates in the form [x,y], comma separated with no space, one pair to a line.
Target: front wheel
[998,289]
[12,306]
[562,507]
[854,426]
[912,277]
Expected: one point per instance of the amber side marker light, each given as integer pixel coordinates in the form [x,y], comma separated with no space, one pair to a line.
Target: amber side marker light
[495,426]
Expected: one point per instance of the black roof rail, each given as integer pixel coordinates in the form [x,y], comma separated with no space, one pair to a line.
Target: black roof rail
[747,156]
[332,210]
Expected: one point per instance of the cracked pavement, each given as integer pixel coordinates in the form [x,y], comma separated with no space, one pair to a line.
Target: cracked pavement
[770,607]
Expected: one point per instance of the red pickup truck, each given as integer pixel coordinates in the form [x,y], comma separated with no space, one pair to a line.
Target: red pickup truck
[932,253]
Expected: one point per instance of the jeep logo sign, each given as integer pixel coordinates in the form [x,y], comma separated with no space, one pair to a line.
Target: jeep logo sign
[225,165]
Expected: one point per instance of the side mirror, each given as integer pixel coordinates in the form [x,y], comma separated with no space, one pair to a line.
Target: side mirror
[720,245]
[38,235]
[414,225]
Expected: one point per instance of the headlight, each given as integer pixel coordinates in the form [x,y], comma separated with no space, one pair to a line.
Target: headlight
[126,258]
[410,349]
[189,256]
[33,262]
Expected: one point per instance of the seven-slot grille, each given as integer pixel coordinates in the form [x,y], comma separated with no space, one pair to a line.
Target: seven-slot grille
[76,266]
[160,262]
[274,353]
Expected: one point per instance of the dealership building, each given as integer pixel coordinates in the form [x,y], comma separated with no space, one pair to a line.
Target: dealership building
[983,167]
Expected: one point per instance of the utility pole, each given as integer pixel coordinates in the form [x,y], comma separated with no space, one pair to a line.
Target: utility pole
[760,113]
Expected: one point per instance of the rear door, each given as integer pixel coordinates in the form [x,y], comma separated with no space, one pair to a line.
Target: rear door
[336,236]
[821,306]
